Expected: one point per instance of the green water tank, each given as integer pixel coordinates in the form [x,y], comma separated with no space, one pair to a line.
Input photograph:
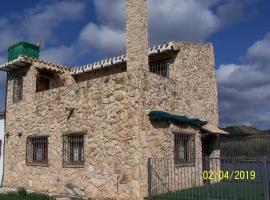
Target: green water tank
[22,48]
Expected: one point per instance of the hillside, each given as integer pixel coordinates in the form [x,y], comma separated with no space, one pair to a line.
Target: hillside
[243,130]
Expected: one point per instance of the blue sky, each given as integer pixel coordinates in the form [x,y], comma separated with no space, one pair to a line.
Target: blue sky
[80,32]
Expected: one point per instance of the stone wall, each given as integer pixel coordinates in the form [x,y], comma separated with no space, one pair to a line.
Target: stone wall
[194,69]
[105,109]
[157,139]
[112,109]
[106,71]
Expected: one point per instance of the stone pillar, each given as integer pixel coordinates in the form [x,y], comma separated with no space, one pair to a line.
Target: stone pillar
[137,34]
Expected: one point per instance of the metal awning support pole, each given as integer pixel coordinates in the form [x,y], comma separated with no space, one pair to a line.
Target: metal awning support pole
[267,194]
[149,177]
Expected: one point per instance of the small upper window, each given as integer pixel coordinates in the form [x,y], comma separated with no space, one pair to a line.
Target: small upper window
[184,149]
[160,67]
[45,81]
[18,88]
[73,150]
[37,151]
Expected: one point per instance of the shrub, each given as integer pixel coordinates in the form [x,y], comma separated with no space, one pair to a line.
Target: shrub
[22,194]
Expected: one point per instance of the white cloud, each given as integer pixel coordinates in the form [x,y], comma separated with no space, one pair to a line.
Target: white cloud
[8,35]
[233,11]
[115,18]
[259,52]
[244,90]
[181,20]
[43,19]
[193,20]
[61,55]
[103,39]
[40,21]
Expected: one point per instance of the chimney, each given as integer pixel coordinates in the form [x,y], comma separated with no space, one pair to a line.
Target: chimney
[137,34]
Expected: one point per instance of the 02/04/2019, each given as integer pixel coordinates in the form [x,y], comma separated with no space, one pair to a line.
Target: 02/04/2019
[232,175]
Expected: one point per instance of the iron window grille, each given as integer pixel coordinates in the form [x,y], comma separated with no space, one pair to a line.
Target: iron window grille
[37,151]
[184,149]
[73,150]
[18,88]
[160,68]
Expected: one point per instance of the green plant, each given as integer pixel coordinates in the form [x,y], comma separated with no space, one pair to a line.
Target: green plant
[22,193]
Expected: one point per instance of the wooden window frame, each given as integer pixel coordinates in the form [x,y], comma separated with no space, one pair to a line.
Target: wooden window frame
[17,88]
[189,149]
[69,141]
[33,143]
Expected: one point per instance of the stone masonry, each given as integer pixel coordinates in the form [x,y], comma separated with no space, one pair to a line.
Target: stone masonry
[111,107]
[113,112]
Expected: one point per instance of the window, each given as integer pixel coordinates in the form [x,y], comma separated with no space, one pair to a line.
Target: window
[160,67]
[37,151]
[184,149]
[45,81]
[73,150]
[17,88]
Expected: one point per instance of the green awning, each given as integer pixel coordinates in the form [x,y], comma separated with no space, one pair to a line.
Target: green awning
[164,116]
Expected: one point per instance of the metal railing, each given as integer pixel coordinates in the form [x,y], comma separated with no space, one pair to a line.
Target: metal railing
[209,178]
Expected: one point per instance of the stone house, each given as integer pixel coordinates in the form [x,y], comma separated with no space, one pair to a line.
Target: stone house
[88,130]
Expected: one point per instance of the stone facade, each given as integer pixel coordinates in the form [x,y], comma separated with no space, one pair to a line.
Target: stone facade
[112,110]
[110,105]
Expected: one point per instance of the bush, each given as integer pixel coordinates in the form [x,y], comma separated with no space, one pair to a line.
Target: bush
[22,194]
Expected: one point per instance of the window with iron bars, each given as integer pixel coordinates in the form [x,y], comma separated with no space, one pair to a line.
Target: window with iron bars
[18,88]
[73,150]
[160,67]
[37,151]
[184,149]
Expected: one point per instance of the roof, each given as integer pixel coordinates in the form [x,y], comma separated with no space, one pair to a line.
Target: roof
[213,129]
[25,44]
[24,61]
[163,48]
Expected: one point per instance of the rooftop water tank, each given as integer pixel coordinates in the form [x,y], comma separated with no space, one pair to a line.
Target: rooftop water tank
[22,48]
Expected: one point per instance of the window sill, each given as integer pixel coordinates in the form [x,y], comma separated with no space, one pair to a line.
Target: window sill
[73,165]
[41,164]
[184,165]
[17,101]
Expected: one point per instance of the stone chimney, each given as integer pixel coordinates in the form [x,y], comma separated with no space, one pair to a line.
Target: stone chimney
[137,34]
